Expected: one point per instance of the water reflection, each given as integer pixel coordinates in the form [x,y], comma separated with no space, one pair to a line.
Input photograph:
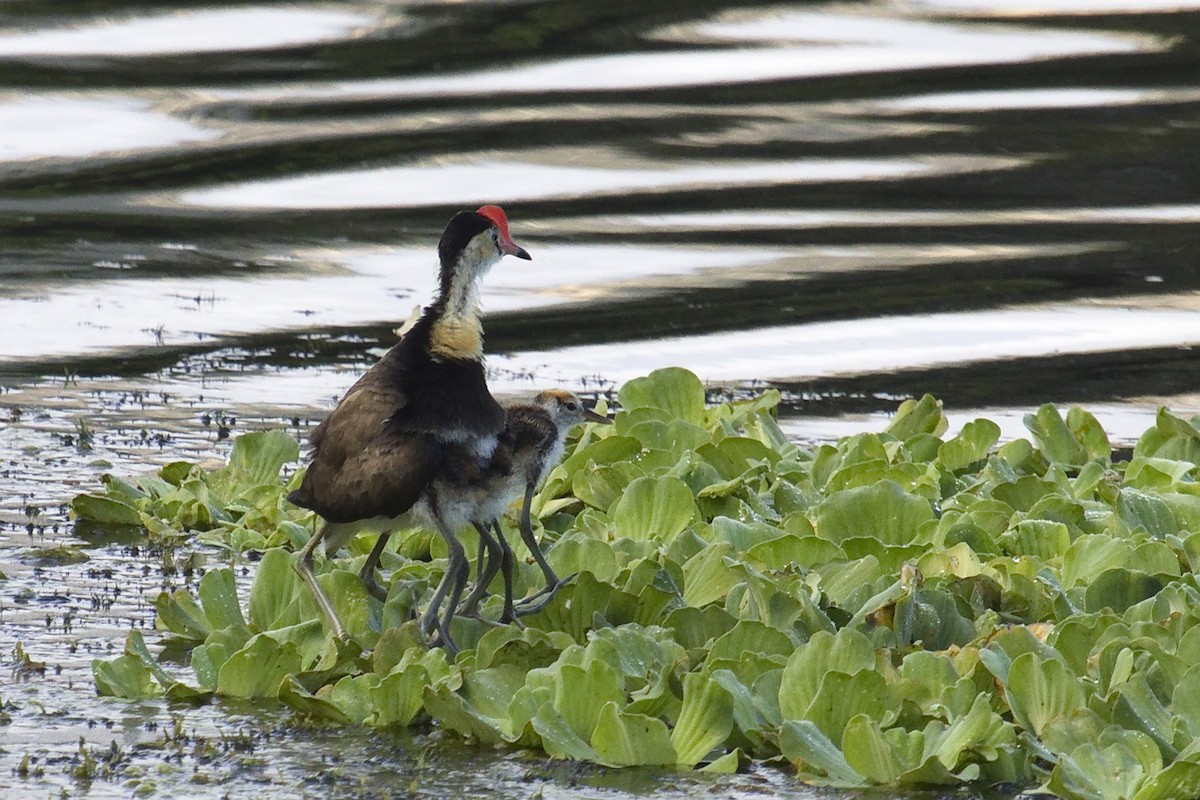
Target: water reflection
[215,212]
[780,219]
[1001,100]
[872,346]
[50,126]
[793,45]
[323,289]
[187,31]
[1034,8]
[516,180]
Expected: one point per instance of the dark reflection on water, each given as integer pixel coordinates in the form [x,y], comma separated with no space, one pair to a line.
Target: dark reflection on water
[222,210]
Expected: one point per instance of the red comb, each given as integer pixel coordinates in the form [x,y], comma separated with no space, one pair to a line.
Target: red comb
[495,214]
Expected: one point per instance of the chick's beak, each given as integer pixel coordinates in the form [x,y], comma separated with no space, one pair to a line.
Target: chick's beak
[510,248]
[592,416]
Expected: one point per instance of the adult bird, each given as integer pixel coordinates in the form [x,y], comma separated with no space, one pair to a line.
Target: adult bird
[530,446]
[424,409]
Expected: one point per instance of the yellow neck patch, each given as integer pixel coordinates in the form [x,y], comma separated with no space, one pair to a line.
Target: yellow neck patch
[457,336]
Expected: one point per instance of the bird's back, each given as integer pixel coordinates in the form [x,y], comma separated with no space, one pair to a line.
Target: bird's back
[387,438]
[520,451]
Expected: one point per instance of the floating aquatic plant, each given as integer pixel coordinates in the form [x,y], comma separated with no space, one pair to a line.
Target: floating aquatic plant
[897,608]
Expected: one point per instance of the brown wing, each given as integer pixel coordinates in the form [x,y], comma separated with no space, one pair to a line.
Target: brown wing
[530,433]
[360,468]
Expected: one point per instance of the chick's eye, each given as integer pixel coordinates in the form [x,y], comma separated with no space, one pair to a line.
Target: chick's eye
[572,407]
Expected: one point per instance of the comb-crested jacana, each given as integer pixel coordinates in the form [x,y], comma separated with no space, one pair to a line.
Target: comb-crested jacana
[531,445]
[422,411]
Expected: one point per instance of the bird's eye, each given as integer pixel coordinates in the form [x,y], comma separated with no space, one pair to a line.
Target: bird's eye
[572,407]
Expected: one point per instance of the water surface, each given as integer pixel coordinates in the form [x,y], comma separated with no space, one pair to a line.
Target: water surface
[215,217]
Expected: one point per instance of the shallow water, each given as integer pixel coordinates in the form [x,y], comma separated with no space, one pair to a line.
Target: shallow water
[213,219]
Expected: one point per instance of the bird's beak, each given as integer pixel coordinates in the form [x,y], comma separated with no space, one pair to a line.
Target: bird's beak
[592,416]
[510,248]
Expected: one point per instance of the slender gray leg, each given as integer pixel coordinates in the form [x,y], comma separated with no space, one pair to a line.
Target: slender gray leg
[304,566]
[485,571]
[507,561]
[367,573]
[553,582]
[457,573]
[526,528]
[461,570]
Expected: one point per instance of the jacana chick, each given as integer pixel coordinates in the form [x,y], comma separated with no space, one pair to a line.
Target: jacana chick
[532,442]
[423,410]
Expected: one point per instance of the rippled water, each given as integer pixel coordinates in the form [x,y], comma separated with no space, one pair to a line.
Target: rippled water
[213,217]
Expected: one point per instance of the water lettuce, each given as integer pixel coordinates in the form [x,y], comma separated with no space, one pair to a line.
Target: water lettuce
[895,608]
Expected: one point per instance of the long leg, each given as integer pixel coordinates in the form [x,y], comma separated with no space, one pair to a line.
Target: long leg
[367,573]
[457,573]
[485,571]
[304,566]
[507,562]
[553,582]
[461,571]
[526,528]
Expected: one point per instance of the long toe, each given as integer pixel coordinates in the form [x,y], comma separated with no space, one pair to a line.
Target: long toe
[444,640]
[542,598]
[375,589]
[549,589]
[429,621]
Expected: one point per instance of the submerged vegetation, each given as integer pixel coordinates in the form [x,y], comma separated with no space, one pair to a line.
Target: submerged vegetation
[897,608]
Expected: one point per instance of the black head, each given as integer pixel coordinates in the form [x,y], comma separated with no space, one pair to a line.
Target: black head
[462,228]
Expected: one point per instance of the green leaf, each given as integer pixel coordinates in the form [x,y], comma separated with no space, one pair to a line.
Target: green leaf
[971,445]
[275,592]
[1088,431]
[258,669]
[1090,555]
[454,712]
[631,740]
[914,417]
[1138,708]
[868,753]
[580,693]
[558,737]
[1108,770]
[603,486]
[705,720]
[218,596]
[654,509]
[674,390]
[296,697]
[727,764]
[979,728]
[803,743]
[1147,510]
[733,456]
[259,456]
[695,627]
[841,697]
[351,695]
[125,676]
[182,615]
[1181,779]
[848,652]
[1055,439]
[751,636]
[1118,589]
[105,510]
[709,575]
[1040,692]
[677,436]
[884,512]
[400,696]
